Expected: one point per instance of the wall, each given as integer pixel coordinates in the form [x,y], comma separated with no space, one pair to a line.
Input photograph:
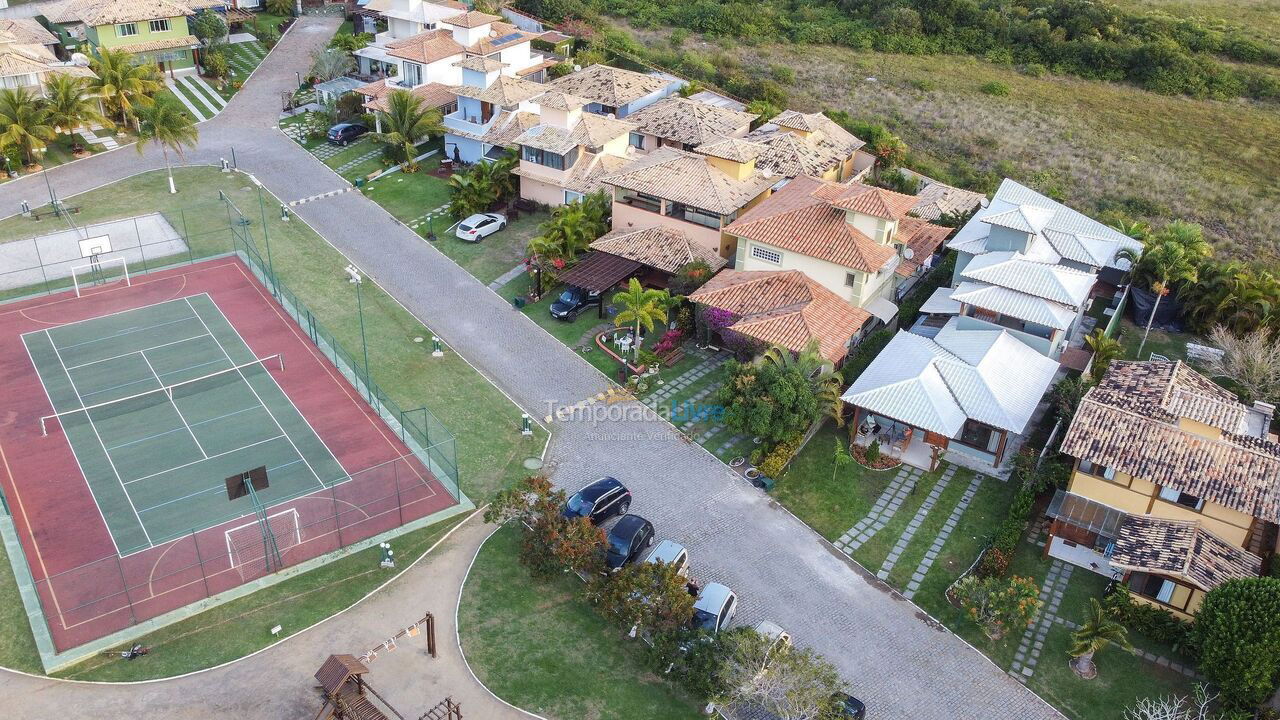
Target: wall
[538,191]
[1005,239]
[105,35]
[516,57]
[645,101]
[626,217]
[1231,525]
[1040,345]
[1197,597]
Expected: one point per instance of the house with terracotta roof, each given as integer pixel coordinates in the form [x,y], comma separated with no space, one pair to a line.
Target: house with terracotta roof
[427,64]
[614,91]
[569,152]
[153,31]
[1030,265]
[27,59]
[810,144]
[785,308]
[493,110]
[854,239]
[651,255]
[698,193]
[1175,487]
[404,19]
[685,124]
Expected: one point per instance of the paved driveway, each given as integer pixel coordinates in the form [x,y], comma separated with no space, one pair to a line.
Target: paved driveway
[890,652]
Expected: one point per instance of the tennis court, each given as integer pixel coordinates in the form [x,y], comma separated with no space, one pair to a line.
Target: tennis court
[160,405]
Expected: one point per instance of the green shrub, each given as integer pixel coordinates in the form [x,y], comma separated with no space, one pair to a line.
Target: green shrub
[924,84]
[873,451]
[995,88]
[775,463]
[559,70]
[215,64]
[864,353]
[1238,632]
[1150,621]
[1035,70]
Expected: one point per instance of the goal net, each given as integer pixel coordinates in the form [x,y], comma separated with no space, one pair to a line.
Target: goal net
[248,545]
[98,272]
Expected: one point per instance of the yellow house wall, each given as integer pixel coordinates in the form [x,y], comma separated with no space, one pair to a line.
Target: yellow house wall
[1231,525]
[1199,428]
[617,146]
[1197,598]
[631,218]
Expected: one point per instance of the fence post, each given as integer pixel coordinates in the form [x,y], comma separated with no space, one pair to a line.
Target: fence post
[337,519]
[133,619]
[200,559]
[399,503]
[186,236]
[137,235]
[35,243]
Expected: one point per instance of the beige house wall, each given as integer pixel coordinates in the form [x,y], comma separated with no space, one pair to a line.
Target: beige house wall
[626,217]
[543,192]
[833,277]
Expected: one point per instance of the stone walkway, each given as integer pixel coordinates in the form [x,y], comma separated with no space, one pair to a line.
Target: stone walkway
[363,157]
[507,276]
[922,512]
[425,219]
[885,507]
[90,136]
[947,528]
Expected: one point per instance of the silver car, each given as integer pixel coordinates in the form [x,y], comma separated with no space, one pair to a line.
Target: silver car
[480,226]
[714,608]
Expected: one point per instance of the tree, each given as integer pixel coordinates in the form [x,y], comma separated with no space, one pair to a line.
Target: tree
[1136,229]
[470,193]
[824,381]
[327,64]
[1172,258]
[500,175]
[768,401]
[24,123]
[1238,632]
[690,88]
[280,7]
[996,603]
[349,43]
[764,110]
[650,596]
[1097,631]
[1105,349]
[122,85]
[165,125]
[209,27]
[1239,295]
[71,103]
[215,64]
[689,277]
[1251,360]
[841,459]
[787,682]
[1067,394]
[1175,707]
[550,542]
[642,306]
[406,123]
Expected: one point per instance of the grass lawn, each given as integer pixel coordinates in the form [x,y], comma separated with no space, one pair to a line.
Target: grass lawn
[873,552]
[58,151]
[572,334]
[930,527]
[240,627]
[486,424]
[539,646]
[17,646]
[1170,345]
[829,502]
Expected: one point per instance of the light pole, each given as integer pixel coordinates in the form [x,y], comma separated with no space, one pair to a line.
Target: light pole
[356,279]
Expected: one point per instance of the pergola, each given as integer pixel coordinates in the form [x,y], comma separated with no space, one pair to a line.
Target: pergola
[599,271]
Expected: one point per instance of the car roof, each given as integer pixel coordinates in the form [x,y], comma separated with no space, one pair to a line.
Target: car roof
[628,524]
[712,597]
[667,551]
[770,629]
[599,487]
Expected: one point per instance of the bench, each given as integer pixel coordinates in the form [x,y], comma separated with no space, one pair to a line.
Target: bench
[671,358]
[57,213]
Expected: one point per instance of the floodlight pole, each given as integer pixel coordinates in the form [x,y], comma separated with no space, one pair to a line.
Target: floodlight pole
[358,280]
[266,238]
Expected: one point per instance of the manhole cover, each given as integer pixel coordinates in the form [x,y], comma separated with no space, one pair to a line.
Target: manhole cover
[533,463]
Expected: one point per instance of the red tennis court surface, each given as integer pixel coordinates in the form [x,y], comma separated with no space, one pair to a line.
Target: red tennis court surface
[86,589]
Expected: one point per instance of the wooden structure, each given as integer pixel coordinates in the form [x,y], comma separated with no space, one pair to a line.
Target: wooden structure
[348,695]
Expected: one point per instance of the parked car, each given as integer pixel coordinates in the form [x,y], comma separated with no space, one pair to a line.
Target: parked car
[480,226]
[343,133]
[714,608]
[671,553]
[779,640]
[572,302]
[628,537]
[850,707]
[599,501]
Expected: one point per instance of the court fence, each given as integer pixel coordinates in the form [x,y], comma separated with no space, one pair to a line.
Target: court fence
[95,600]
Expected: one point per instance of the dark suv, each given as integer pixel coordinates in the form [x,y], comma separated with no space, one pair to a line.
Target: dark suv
[599,501]
[343,133]
[629,536]
[572,302]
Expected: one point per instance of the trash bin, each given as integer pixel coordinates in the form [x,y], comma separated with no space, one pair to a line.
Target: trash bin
[765,483]
[517,302]
[359,182]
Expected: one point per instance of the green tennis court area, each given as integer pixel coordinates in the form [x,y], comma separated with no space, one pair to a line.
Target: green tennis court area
[160,405]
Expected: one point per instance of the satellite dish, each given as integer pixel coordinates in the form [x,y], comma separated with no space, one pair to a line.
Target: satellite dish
[79,60]
[908,253]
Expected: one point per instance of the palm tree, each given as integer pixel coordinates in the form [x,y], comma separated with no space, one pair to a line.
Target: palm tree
[25,123]
[1096,632]
[405,124]
[469,193]
[561,238]
[1172,258]
[1234,294]
[71,103]
[1105,349]
[499,173]
[124,86]
[166,125]
[640,305]
[689,89]
[1136,229]
[823,378]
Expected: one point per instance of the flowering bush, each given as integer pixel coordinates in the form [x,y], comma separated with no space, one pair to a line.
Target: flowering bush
[717,318]
[670,341]
[997,604]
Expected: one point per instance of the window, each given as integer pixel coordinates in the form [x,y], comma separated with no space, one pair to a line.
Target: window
[636,140]
[640,200]
[127,30]
[161,25]
[1160,589]
[976,435]
[412,75]
[1091,468]
[571,196]
[767,255]
[608,110]
[689,213]
[1181,498]
[542,157]
[850,280]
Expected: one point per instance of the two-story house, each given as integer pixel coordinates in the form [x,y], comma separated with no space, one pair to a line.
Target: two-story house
[405,19]
[569,152]
[26,57]
[685,124]
[698,194]
[493,110]
[1176,485]
[1028,264]
[614,91]
[810,144]
[428,65]
[854,239]
[153,31]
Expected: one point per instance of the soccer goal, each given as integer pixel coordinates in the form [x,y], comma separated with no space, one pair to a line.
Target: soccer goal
[248,544]
[100,271]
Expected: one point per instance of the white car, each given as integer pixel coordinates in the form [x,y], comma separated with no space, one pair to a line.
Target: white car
[714,608]
[671,553]
[479,226]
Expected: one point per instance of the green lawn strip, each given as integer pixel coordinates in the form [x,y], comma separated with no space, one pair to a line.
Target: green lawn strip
[538,645]
[17,646]
[203,100]
[872,553]
[1170,345]
[920,543]
[180,92]
[1123,678]
[829,501]
[493,256]
[237,628]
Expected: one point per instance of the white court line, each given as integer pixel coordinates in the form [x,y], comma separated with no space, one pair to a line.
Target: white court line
[135,352]
[172,402]
[222,488]
[174,430]
[136,382]
[256,395]
[125,332]
[197,462]
[99,436]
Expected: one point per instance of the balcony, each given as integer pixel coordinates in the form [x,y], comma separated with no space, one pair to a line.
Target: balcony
[459,124]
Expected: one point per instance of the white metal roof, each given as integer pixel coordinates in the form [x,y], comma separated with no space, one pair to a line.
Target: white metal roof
[1014,271]
[986,375]
[940,303]
[882,309]
[1014,304]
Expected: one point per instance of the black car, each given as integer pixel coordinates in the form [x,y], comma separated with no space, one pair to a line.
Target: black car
[599,501]
[628,538]
[850,707]
[572,302]
[343,133]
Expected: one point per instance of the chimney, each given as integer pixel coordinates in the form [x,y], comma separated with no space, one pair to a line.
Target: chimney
[1268,412]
